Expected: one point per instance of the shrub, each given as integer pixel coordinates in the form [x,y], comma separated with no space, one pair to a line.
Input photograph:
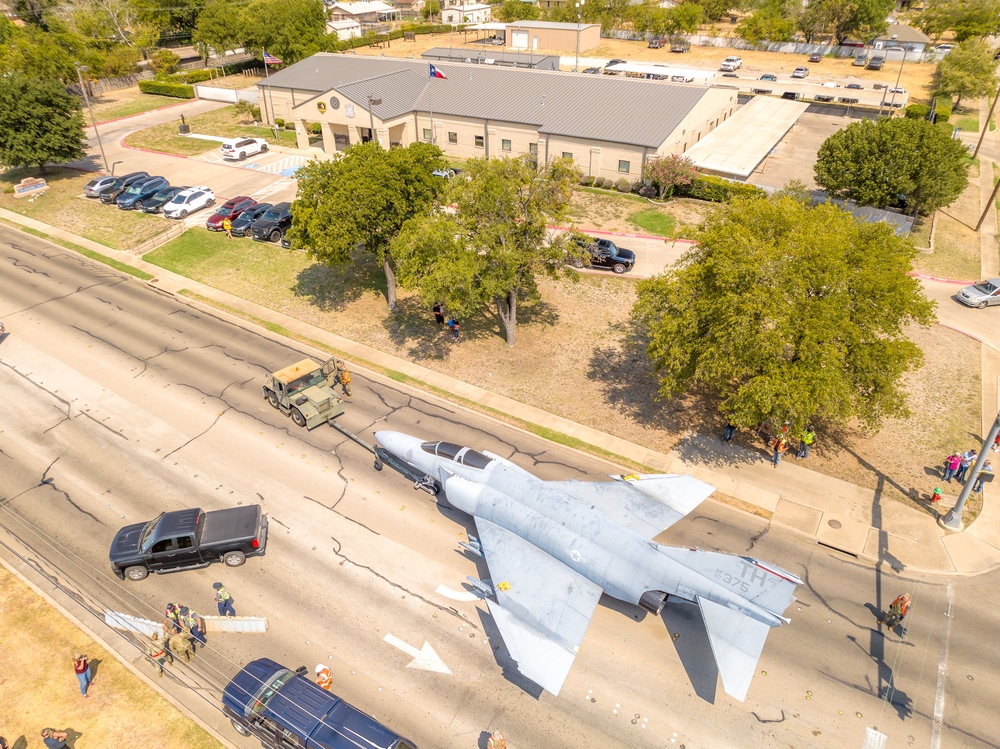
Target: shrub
[623,185]
[588,181]
[316,128]
[198,76]
[647,191]
[255,113]
[164,61]
[162,88]
[917,111]
[279,122]
[942,110]
[718,190]
[636,186]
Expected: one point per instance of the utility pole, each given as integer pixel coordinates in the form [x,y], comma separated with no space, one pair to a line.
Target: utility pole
[579,16]
[80,70]
[986,125]
[953,520]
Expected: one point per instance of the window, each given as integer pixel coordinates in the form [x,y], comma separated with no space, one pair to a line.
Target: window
[505,145]
[623,167]
[533,149]
[165,545]
[427,133]
[480,141]
[567,155]
[453,137]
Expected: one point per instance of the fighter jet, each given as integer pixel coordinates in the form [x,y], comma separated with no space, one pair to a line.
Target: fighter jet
[553,547]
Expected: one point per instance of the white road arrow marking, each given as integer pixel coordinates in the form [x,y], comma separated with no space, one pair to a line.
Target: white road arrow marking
[425,659]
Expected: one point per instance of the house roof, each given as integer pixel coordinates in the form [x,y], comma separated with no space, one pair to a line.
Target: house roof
[478,54]
[605,108]
[898,32]
[361,8]
[347,23]
[549,25]
[469,7]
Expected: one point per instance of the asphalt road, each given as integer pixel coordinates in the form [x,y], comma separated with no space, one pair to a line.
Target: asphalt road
[121,401]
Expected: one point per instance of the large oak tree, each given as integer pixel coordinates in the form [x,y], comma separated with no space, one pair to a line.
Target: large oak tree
[788,312]
[39,123]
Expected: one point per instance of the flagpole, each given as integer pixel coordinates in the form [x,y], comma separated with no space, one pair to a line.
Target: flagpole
[270,96]
[430,104]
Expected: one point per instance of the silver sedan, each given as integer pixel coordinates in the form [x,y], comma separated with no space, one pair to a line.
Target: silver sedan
[983,294]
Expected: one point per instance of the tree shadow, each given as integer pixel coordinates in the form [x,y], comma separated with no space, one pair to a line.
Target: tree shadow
[628,382]
[413,328]
[333,287]
[52,176]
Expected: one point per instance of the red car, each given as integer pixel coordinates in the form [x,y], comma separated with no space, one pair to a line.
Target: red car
[231,209]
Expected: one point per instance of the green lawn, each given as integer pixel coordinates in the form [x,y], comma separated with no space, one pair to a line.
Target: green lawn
[223,123]
[64,206]
[654,221]
[141,103]
[967,124]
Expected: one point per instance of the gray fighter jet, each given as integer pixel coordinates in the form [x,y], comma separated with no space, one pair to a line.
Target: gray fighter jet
[554,546]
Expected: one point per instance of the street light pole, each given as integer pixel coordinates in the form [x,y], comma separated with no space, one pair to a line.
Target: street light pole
[899,77]
[80,70]
[373,102]
[579,15]
[953,520]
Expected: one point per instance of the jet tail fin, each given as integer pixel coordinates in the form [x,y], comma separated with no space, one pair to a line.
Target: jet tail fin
[737,641]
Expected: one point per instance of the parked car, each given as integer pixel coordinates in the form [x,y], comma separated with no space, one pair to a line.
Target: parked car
[616,61]
[269,226]
[860,61]
[731,64]
[944,47]
[730,75]
[982,294]
[241,226]
[815,57]
[682,78]
[658,42]
[830,84]
[164,196]
[680,45]
[285,710]
[138,193]
[855,86]
[93,188]
[187,202]
[189,539]
[604,254]
[875,63]
[110,193]
[240,148]
[285,241]
[592,71]
[768,77]
[800,73]
[231,209]
[897,90]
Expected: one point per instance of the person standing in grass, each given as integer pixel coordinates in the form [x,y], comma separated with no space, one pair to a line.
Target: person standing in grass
[227,226]
[81,665]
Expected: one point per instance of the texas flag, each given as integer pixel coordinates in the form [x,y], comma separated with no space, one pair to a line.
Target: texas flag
[435,73]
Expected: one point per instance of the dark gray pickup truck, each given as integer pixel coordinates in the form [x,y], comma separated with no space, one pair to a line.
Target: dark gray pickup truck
[188,539]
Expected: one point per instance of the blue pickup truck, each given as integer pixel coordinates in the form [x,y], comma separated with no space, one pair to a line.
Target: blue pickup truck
[285,710]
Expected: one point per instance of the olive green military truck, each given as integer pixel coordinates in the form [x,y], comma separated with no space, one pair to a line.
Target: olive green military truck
[304,391]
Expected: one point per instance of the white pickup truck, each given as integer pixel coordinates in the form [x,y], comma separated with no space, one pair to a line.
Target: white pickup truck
[731,63]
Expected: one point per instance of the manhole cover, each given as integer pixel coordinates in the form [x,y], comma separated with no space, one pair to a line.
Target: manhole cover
[835,524]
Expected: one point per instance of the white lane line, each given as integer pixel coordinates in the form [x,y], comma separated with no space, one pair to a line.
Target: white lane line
[456,595]
[942,672]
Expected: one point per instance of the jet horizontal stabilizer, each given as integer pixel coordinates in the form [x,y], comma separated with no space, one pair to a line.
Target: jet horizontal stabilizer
[737,641]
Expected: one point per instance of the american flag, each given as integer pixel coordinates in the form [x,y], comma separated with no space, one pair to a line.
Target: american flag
[270,59]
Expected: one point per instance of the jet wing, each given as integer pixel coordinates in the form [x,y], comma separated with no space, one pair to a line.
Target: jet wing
[647,504]
[737,641]
[543,607]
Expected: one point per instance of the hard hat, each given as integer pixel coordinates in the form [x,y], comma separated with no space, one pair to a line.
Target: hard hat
[937,490]
[216,585]
[320,667]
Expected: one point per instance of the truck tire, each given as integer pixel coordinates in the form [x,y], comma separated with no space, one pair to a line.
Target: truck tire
[618,268]
[298,418]
[272,398]
[275,235]
[233,558]
[241,729]
[136,573]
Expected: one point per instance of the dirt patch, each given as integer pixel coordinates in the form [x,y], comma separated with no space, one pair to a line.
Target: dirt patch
[121,710]
[608,211]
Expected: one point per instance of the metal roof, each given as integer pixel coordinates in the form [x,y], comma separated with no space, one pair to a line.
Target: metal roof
[605,108]
[549,25]
[492,56]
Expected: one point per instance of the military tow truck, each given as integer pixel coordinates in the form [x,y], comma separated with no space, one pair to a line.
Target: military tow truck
[304,391]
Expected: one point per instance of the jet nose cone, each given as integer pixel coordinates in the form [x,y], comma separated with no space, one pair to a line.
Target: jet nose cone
[397,443]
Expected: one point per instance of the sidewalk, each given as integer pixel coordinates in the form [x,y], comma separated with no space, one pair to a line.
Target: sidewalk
[836,513]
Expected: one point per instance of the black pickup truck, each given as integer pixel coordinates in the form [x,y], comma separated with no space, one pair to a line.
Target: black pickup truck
[188,539]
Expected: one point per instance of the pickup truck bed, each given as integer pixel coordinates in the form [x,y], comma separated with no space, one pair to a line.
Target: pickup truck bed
[222,526]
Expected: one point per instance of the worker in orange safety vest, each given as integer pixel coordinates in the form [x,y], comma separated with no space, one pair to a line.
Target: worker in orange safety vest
[897,611]
[323,676]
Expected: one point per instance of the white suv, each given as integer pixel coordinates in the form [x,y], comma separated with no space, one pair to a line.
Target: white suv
[189,201]
[240,148]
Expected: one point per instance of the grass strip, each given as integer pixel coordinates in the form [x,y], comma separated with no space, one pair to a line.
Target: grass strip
[119,266]
[551,435]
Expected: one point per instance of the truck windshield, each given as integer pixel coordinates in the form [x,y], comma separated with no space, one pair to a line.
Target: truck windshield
[270,689]
[147,532]
[301,383]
